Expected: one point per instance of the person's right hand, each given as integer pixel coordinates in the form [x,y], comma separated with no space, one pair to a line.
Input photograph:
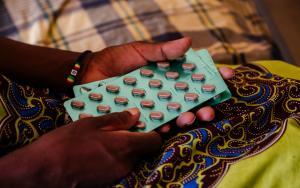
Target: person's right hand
[91,152]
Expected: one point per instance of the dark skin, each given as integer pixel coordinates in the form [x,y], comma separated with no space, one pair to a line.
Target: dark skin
[92,152]
[35,65]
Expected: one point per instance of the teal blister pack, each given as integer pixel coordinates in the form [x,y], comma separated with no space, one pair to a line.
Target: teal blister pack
[85,88]
[203,55]
[160,90]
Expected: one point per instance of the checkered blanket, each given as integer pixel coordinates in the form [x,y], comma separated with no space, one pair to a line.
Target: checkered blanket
[231,29]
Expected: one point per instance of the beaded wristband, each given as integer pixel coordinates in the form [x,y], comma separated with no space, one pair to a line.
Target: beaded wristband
[71,78]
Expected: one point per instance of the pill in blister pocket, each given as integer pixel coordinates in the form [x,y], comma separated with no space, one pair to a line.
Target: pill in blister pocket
[84,115]
[164,94]
[155,83]
[129,80]
[198,77]
[156,115]
[146,72]
[191,97]
[208,87]
[188,66]
[174,106]
[95,96]
[163,65]
[172,75]
[181,86]
[138,92]
[147,103]
[77,104]
[103,108]
[112,88]
[121,100]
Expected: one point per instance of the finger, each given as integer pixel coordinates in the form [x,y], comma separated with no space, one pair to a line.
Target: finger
[118,121]
[226,72]
[163,51]
[164,129]
[206,113]
[185,119]
[144,143]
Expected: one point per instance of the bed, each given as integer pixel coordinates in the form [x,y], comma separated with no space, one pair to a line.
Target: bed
[231,30]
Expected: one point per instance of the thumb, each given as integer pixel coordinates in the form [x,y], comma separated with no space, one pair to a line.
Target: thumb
[118,120]
[163,51]
[137,54]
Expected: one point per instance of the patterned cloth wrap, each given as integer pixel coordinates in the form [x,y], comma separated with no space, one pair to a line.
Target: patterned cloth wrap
[27,114]
[231,30]
[247,124]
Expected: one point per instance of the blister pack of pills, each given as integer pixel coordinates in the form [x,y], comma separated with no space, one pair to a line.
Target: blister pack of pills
[160,90]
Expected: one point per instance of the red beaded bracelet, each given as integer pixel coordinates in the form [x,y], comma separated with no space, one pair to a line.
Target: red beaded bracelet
[71,78]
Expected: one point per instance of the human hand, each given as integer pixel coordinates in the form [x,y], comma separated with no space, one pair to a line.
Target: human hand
[118,60]
[91,152]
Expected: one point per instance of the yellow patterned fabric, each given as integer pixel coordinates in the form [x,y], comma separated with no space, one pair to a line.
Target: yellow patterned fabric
[246,126]
[26,113]
[277,166]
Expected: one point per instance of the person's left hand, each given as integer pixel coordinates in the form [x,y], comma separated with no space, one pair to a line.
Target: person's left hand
[119,60]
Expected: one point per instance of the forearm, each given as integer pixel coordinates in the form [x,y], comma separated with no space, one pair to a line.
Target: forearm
[36,65]
[21,169]
[32,166]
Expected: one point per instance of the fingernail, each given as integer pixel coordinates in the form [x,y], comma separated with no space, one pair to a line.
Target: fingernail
[191,122]
[206,113]
[164,129]
[141,125]
[185,119]
[226,72]
[133,111]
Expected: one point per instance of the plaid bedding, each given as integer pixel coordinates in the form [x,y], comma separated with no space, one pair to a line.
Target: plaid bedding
[231,29]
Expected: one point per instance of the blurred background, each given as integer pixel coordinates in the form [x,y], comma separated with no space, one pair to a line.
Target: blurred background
[234,31]
[283,20]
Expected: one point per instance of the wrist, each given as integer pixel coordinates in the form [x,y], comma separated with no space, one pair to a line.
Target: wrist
[88,60]
[77,66]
